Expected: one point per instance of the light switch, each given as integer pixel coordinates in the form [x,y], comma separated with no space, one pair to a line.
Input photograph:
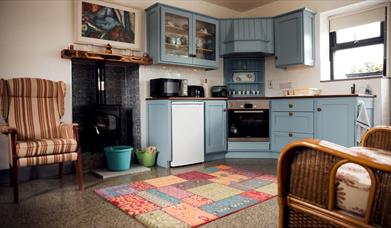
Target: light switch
[270,84]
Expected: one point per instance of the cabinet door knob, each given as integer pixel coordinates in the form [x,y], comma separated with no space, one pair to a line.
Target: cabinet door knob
[290,134]
[290,105]
[319,109]
[290,114]
[276,57]
[225,110]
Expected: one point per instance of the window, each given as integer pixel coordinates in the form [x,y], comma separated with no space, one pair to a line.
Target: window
[357,45]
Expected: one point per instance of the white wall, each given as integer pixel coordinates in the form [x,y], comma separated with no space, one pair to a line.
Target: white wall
[302,76]
[32,35]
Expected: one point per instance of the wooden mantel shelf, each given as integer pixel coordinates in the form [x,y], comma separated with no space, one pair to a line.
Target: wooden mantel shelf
[76,54]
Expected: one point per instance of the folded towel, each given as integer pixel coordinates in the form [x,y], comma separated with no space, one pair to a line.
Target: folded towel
[362,122]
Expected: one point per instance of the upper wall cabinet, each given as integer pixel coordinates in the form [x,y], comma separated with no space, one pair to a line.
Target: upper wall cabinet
[246,35]
[294,35]
[181,37]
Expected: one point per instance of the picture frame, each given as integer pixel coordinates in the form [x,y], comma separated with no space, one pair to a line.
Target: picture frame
[101,23]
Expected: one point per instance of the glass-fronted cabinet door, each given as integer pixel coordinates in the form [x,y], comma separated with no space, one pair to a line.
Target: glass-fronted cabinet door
[176,36]
[205,45]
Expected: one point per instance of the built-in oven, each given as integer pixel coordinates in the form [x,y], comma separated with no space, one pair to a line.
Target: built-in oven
[248,120]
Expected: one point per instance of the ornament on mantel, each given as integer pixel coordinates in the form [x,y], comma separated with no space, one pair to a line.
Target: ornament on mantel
[108,49]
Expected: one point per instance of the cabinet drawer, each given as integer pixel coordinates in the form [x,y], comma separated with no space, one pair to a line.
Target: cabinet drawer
[299,122]
[293,105]
[280,139]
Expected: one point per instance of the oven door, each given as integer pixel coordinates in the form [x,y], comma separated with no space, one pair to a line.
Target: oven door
[248,125]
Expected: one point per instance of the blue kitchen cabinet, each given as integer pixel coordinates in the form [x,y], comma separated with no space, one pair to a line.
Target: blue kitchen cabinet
[176,39]
[205,45]
[291,119]
[181,37]
[336,119]
[215,126]
[332,119]
[281,139]
[159,129]
[299,122]
[246,35]
[294,37]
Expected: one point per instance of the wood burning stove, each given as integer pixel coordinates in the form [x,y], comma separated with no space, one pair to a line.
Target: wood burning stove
[102,126]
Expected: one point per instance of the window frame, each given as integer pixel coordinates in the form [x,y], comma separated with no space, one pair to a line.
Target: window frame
[334,46]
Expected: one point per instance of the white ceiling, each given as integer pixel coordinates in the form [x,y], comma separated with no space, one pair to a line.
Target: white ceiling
[240,5]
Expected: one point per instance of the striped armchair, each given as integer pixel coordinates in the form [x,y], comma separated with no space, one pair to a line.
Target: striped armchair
[32,109]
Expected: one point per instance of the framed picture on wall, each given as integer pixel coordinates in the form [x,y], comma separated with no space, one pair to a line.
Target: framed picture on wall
[100,23]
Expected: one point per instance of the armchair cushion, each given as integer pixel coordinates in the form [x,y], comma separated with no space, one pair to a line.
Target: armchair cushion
[352,188]
[45,147]
[45,160]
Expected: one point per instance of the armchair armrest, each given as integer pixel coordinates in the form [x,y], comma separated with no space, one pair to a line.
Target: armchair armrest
[378,137]
[68,131]
[306,183]
[5,129]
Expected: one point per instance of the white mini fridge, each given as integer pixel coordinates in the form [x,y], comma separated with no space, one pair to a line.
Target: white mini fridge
[187,133]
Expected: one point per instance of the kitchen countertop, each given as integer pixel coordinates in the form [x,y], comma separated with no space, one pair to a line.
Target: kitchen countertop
[261,98]
[324,96]
[187,98]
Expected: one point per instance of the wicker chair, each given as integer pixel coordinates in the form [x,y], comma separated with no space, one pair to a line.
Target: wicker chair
[32,109]
[307,177]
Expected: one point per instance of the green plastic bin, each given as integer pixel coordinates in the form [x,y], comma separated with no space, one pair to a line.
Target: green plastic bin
[118,157]
[146,159]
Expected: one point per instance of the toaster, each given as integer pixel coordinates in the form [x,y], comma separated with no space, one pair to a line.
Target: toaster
[195,91]
[219,91]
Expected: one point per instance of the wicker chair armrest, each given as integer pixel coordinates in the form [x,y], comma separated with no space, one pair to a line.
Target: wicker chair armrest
[378,137]
[306,172]
[5,129]
[371,157]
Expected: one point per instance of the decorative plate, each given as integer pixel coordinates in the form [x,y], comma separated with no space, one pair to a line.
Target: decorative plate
[243,77]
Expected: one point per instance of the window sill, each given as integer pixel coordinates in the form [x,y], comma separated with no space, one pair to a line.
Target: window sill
[356,78]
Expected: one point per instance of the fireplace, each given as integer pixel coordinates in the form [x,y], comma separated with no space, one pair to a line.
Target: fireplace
[102,126]
[105,103]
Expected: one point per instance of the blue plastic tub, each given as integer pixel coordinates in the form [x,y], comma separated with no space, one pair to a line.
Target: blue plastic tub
[118,157]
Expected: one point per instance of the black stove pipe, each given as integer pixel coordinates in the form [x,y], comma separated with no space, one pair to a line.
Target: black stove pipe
[100,72]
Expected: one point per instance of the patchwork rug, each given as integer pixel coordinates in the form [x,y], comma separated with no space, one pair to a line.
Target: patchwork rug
[193,198]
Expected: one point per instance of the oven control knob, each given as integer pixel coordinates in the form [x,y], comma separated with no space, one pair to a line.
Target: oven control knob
[242,106]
